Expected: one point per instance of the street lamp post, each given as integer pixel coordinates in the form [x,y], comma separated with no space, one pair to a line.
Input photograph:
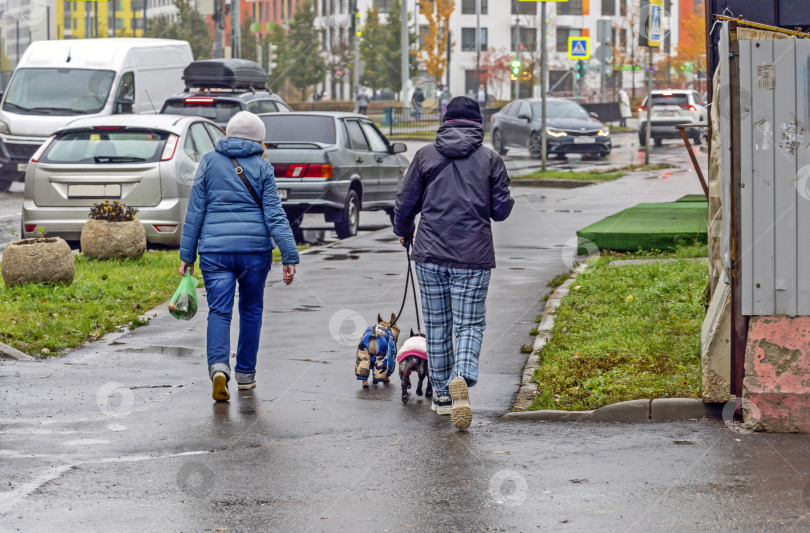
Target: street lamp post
[477,44]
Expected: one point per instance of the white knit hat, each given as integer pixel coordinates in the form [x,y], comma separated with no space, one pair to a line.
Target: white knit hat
[246,125]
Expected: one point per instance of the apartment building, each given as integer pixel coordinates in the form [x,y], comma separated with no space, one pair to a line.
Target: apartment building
[512,28]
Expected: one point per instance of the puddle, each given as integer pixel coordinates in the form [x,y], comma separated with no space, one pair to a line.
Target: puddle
[304,309]
[341,257]
[516,268]
[683,442]
[387,239]
[313,361]
[177,351]
[315,252]
[518,258]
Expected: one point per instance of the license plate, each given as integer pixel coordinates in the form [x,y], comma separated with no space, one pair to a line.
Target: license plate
[666,113]
[94,191]
[282,193]
[584,140]
[22,167]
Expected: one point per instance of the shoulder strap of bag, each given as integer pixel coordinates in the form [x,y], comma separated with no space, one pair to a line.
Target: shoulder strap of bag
[241,173]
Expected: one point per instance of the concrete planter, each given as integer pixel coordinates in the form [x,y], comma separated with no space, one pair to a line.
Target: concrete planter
[47,260]
[107,240]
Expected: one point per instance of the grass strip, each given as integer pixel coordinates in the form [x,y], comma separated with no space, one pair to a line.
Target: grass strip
[571,175]
[624,333]
[41,319]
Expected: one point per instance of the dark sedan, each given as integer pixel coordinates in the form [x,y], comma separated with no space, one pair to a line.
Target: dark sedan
[569,129]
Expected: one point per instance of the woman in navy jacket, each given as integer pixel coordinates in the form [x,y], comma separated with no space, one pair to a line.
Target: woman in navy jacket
[234,235]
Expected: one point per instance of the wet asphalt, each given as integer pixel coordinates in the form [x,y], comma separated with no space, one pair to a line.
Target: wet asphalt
[121,435]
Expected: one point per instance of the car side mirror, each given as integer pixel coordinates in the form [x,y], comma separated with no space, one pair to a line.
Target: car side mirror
[124,106]
[525,117]
[594,115]
[397,148]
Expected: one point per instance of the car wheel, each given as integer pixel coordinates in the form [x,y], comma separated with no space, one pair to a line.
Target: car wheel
[497,142]
[5,184]
[698,139]
[536,146]
[658,142]
[642,140]
[350,219]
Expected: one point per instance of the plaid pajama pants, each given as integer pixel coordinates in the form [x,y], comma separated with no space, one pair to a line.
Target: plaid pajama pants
[454,307]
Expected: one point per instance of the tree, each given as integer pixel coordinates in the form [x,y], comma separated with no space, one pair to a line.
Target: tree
[692,41]
[339,58]
[437,35]
[495,68]
[277,36]
[249,40]
[188,25]
[307,65]
[381,49]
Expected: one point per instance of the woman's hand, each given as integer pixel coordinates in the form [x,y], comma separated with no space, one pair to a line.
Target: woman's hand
[288,274]
[184,266]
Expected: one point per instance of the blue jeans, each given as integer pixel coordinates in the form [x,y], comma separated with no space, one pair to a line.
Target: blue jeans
[454,307]
[221,272]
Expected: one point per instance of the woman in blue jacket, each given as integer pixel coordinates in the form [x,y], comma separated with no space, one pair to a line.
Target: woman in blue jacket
[233,228]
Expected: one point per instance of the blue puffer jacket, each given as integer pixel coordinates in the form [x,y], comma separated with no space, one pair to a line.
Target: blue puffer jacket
[222,215]
[459,187]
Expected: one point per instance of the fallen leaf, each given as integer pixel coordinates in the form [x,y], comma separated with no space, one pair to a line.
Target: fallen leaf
[499,451]
[577,287]
[629,299]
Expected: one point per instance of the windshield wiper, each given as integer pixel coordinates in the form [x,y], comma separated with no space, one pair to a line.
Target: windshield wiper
[117,159]
[68,110]
[16,107]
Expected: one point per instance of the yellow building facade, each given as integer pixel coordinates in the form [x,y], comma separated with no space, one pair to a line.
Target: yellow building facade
[81,19]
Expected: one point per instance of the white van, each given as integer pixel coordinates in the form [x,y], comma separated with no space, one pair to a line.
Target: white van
[58,81]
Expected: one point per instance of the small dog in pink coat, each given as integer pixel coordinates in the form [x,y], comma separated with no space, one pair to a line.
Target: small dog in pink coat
[412,357]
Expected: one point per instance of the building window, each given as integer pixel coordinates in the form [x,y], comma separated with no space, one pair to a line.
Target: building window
[382,5]
[468,7]
[524,8]
[562,37]
[137,5]
[528,40]
[572,7]
[468,39]
[622,8]
[608,7]
[137,24]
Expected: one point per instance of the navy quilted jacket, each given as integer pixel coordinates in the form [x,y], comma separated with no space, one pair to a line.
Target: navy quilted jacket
[222,216]
[457,201]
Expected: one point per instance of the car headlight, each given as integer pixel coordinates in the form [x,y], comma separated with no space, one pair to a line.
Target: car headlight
[556,133]
[604,132]
[4,127]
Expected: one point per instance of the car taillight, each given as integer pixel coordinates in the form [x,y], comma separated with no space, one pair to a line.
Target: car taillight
[199,100]
[30,227]
[641,108]
[302,170]
[41,150]
[169,148]
[687,106]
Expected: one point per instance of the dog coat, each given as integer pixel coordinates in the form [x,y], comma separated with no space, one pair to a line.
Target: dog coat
[416,345]
[377,351]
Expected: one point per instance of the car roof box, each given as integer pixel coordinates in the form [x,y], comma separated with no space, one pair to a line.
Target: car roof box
[225,74]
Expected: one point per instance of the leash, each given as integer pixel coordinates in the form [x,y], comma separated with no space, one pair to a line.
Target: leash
[409,278]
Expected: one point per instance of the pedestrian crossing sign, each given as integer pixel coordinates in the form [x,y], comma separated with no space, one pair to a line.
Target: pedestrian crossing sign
[579,47]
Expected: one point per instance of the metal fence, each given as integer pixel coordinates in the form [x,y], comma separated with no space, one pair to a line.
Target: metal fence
[398,121]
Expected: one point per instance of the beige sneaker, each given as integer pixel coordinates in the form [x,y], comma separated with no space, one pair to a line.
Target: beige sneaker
[247,386]
[461,415]
[220,390]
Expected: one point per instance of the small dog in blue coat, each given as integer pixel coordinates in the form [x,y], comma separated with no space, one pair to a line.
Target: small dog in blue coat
[377,351]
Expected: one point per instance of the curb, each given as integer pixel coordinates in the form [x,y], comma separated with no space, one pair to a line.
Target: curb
[528,388]
[7,352]
[543,182]
[646,410]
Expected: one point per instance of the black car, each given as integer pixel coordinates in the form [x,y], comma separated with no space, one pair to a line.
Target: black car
[217,89]
[569,128]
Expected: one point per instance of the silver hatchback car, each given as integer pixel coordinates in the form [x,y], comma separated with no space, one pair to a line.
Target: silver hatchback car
[145,161]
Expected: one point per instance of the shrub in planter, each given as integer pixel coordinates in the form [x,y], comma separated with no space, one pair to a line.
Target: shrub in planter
[42,260]
[113,231]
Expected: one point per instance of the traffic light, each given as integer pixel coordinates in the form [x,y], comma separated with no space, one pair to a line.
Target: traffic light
[515,67]
[580,69]
[271,58]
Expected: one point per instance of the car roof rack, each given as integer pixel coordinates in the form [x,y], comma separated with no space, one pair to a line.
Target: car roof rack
[229,74]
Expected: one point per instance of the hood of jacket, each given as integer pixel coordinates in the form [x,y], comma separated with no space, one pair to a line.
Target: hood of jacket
[236,147]
[458,138]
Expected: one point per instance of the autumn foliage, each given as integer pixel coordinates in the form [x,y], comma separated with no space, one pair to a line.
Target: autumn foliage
[438,32]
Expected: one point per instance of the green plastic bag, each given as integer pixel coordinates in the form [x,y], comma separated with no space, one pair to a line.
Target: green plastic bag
[183,304]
